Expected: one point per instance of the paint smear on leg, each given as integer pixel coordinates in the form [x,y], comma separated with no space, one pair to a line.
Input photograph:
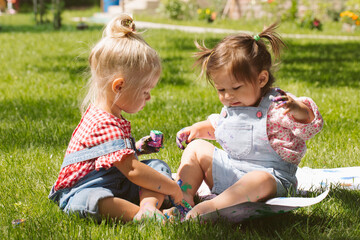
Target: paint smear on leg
[185,187]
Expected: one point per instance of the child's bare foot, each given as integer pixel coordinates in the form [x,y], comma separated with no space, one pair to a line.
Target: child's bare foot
[201,208]
[171,213]
[147,212]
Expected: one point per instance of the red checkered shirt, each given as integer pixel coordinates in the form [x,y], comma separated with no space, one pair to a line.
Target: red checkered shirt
[96,127]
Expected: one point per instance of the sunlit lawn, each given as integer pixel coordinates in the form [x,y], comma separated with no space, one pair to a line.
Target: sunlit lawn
[42,74]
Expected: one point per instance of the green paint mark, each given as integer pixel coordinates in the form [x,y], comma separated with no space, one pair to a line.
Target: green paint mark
[187,205]
[185,187]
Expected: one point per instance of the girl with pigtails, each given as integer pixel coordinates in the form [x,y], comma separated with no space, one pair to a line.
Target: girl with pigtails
[101,176]
[262,130]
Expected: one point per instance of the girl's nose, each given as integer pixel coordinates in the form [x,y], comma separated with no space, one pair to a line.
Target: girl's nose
[228,95]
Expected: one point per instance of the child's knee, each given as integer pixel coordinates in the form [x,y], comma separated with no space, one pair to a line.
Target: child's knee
[267,182]
[198,150]
[197,147]
[196,143]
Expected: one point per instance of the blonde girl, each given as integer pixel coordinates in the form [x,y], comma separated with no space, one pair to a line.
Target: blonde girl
[101,176]
[262,130]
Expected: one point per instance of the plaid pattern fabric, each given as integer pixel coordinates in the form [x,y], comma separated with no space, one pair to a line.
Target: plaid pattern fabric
[96,127]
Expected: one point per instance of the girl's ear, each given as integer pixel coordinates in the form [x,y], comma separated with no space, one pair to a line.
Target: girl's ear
[117,84]
[263,78]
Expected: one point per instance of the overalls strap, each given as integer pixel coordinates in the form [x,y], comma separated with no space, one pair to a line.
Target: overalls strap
[265,101]
[97,151]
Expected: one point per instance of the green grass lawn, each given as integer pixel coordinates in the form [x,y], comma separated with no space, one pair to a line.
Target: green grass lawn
[42,74]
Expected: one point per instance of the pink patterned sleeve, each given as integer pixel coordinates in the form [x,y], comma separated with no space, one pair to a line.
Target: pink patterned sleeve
[301,130]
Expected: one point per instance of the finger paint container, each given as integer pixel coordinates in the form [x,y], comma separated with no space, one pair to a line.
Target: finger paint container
[156,137]
[17,222]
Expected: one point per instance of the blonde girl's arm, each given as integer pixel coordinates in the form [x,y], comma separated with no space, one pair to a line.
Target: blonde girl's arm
[203,129]
[148,178]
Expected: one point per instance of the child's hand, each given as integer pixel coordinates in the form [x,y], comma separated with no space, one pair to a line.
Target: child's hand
[202,129]
[177,196]
[147,145]
[297,109]
[184,135]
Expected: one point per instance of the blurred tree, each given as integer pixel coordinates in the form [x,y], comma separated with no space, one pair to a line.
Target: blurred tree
[57,6]
[40,10]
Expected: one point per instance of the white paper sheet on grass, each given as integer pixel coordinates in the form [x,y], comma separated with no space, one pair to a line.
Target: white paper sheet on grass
[308,180]
[250,210]
[312,178]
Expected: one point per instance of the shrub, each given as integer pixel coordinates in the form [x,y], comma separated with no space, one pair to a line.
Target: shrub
[350,18]
[206,14]
[178,9]
[311,22]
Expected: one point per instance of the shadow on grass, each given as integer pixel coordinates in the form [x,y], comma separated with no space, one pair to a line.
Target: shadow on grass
[323,64]
[37,123]
[7,28]
[350,200]
[299,224]
[320,219]
[173,71]
[77,67]
[178,58]
[307,223]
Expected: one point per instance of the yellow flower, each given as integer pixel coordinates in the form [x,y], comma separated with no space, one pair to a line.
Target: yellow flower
[207,11]
[199,10]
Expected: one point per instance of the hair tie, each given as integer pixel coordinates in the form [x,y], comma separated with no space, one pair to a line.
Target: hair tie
[129,23]
[257,37]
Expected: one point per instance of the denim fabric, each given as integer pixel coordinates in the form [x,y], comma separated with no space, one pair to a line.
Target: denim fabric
[97,151]
[84,196]
[241,131]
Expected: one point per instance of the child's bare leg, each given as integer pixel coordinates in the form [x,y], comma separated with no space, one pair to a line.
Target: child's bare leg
[150,202]
[253,187]
[196,166]
[117,208]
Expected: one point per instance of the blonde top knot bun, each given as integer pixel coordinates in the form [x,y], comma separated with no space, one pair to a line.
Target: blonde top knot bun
[120,26]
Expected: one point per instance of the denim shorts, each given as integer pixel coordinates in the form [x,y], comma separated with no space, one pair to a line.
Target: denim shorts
[226,173]
[84,196]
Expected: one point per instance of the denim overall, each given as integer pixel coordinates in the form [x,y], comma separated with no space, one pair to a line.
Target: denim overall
[241,131]
[83,197]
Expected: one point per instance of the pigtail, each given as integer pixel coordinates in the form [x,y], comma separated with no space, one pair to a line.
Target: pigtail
[274,39]
[202,58]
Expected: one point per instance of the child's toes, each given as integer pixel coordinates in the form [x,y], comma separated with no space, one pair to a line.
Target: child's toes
[149,213]
[171,213]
